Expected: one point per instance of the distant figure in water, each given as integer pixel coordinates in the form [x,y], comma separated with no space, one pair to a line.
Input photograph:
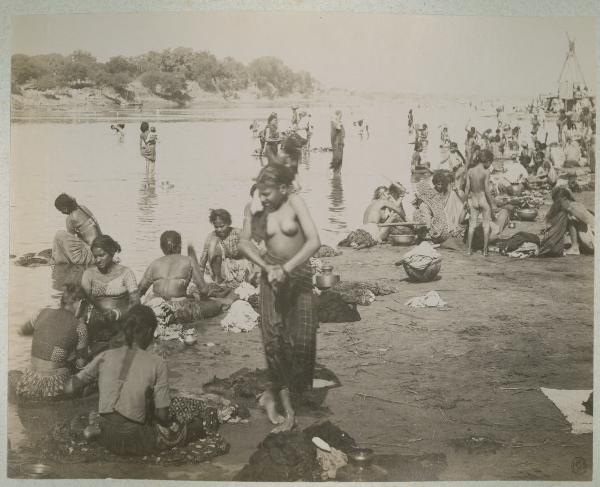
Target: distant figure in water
[119,129]
[148,151]
[73,245]
[338,135]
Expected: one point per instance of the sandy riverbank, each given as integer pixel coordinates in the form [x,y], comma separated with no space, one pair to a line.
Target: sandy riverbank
[424,380]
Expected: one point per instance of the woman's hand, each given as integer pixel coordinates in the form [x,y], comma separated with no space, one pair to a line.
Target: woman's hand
[275,275]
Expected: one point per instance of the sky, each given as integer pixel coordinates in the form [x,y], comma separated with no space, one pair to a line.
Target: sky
[492,56]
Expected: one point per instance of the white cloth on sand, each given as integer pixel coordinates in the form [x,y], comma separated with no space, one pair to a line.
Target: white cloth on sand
[431,300]
[240,317]
[569,402]
[245,290]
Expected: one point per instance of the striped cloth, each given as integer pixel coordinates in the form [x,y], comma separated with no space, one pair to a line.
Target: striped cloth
[289,322]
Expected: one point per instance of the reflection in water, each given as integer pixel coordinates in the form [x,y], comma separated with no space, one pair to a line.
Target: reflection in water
[147,199]
[336,199]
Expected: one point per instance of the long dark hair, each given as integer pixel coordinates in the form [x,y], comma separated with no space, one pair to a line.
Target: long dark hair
[106,243]
[139,321]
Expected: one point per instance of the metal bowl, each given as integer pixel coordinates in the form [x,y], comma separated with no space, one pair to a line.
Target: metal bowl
[36,470]
[362,457]
[527,214]
[401,239]
[325,281]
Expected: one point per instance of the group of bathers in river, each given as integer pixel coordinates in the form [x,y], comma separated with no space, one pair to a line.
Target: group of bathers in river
[101,331]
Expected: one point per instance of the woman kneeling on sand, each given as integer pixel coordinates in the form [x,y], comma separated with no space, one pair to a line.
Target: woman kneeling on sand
[170,277]
[221,255]
[59,346]
[565,217]
[439,207]
[137,415]
[288,312]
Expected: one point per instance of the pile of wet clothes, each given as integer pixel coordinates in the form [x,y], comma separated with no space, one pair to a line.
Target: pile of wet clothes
[358,239]
[294,456]
[34,259]
[245,386]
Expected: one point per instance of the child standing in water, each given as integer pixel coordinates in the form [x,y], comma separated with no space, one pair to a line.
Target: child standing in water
[479,198]
[288,307]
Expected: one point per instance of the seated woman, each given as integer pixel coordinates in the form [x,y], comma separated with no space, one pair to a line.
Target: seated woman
[566,216]
[73,245]
[382,210]
[111,290]
[59,346]
[221,255]
[170,277]
[137,416]
[438,207]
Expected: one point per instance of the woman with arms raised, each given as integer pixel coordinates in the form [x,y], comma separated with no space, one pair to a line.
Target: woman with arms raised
[288,308]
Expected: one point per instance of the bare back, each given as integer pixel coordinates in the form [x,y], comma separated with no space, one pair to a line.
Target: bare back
[169,276]
[375,212]
[478,179]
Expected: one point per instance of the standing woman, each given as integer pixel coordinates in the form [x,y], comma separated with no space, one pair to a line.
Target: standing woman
[148,151]
[337,141]
[288,308]
[272,138]
[110,287]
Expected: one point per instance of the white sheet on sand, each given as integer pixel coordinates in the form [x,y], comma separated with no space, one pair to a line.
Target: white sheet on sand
[431,300]
[569,404]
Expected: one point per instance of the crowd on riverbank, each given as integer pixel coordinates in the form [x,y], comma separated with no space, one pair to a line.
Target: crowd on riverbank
[271,252]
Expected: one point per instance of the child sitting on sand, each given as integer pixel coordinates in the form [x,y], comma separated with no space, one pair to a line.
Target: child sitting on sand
[479,198]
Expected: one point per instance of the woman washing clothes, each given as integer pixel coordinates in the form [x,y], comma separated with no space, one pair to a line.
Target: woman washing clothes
[137,416]
[73,245]
[288,308]
[565,217]
[111,290]
[439,207]
[58,348]
[170,277]
[221,255]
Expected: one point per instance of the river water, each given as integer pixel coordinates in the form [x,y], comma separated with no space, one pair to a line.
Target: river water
[204,160]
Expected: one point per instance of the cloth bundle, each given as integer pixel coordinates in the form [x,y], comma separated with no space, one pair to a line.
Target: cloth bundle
[240,317]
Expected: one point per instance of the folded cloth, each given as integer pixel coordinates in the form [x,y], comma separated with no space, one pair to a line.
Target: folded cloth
[431,300]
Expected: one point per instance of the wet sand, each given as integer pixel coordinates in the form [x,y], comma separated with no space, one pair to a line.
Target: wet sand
[422,380]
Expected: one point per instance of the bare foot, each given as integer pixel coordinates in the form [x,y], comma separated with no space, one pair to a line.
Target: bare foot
[485,254]
[469,252]
[289,422]
[572,251]
[267,401]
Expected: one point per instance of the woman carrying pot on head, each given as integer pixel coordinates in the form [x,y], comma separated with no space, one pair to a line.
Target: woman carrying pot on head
[73,245]
[110,287]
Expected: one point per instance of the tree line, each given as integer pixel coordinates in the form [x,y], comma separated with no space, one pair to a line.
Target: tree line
[167,74]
